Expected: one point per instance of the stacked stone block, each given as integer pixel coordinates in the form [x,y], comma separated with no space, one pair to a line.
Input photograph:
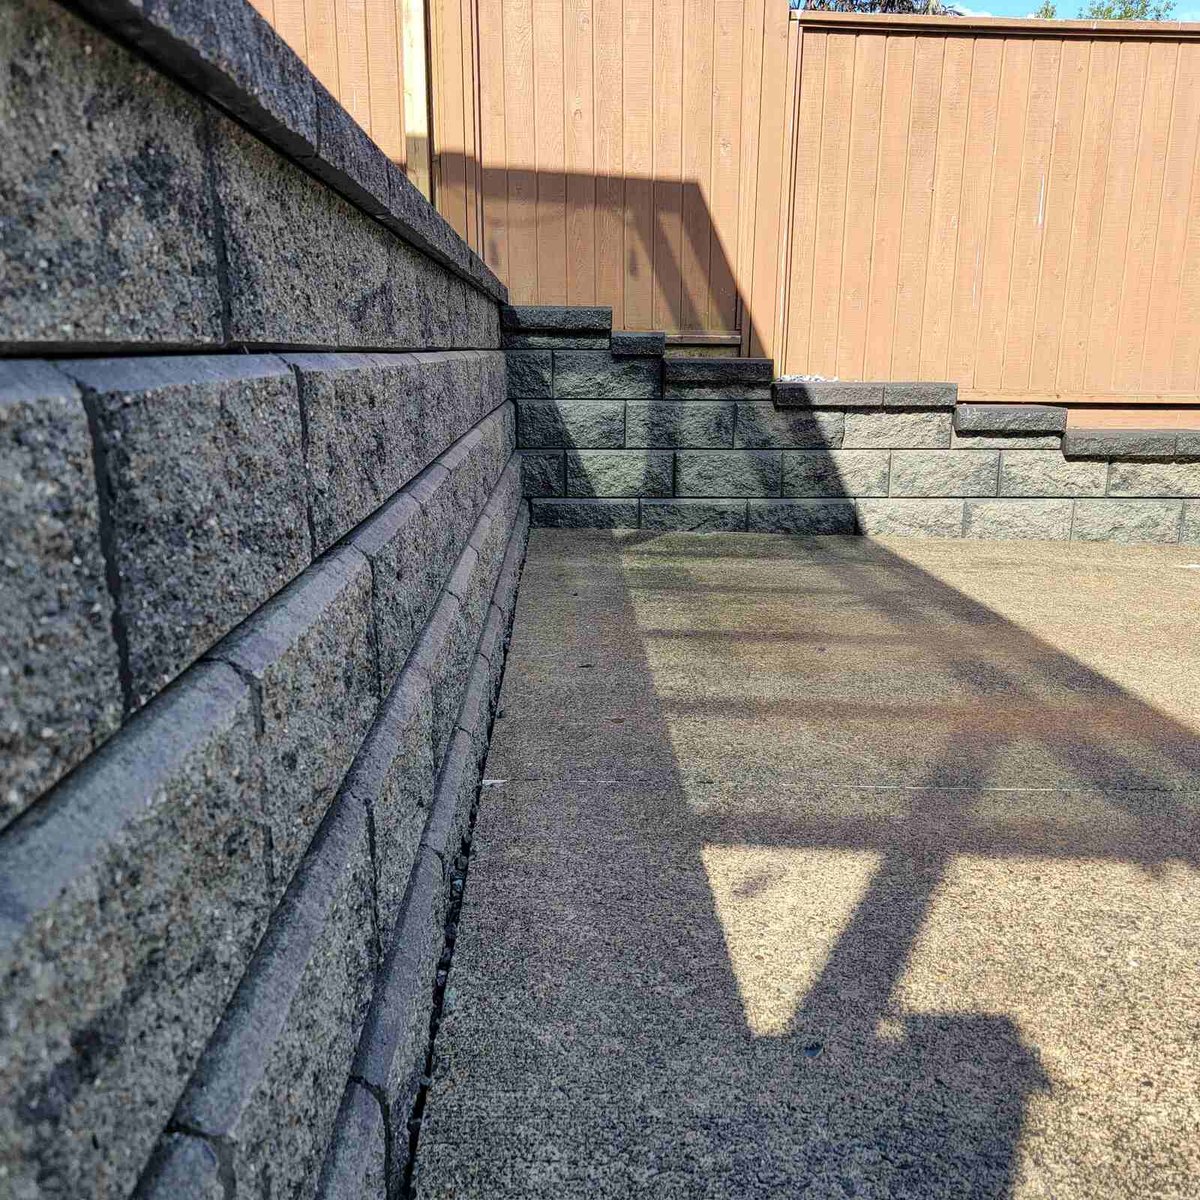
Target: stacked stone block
[253,607]
[717,444]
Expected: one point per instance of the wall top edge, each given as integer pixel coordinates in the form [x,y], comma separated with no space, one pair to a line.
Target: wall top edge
[1006,26]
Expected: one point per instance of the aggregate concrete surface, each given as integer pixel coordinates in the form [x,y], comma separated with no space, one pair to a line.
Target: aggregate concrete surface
[832,867]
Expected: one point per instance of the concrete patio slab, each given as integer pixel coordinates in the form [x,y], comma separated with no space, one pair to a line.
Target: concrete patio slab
[832,867]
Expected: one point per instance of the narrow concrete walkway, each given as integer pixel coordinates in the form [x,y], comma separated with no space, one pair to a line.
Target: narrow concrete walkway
[833,868]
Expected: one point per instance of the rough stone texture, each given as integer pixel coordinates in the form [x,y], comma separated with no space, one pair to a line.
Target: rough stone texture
[800,393]
[835,473]
[530,374]
[203,494]
[583,424]
[306,267]
[700,423]
[900,431]
[355,1163]
[1047,473]
[1189,533]
[447,665]
[130,902]
[911,518]
[60,692]
[716,391]
[286,1042]
[637,345]
[944,472]
[762,425]
[310,653]
[727,473]
[585,514]
[805,517]
[598,375]
[554,341]
[1187,444]
[1127,520]
[694,516]
[107,233]
[619,472]
[1009,418]
[555,318]
[185,1167]
[1144,445]
[457,784]
[543,473]
[987,441]
[1154,479]
[1047,520]
[920,395]
[709,369]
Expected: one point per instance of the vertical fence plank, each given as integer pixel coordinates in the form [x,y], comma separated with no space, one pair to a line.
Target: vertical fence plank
[726,190]
[667,117]
[699,106]
[353,88]
[520,151]
[579,149]
[548,132]
[638,140]
[385,85]
[610,180]
[494,174]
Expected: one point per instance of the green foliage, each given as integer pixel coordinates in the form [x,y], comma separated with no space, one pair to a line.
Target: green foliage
[1047,11]
[1127,10]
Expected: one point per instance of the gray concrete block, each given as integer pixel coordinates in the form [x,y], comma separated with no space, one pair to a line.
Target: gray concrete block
[716,391]
[355,1163]
[1127,521]
[944,472]
[543,472]
[392,777]
[131,899]
[1136,445]
[583,424]
[809,393]
[310,653]
[449,821]
[1009,419]
[693,516]
[1045,520]
[530,374]
[696,423]
[440,655]
[474,719]
[60,690]
[723,370]
[184,1167]
[1187,444]
[1189,533]
[835,472]
[762,425]
[555,341]
[598,375]
[109,234]
[987,441]
[637,345]
[728,473]
[269,1084]
[1047,473]
[619,472]
[920,395]
[555,318]
[911,518]
[897,430]
[203,487]
[1154,479]
[803,517]
[584,514]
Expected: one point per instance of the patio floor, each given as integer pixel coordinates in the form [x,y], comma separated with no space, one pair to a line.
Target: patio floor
[829,868]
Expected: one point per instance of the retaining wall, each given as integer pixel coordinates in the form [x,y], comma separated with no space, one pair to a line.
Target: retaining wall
[614,435]
[262,531]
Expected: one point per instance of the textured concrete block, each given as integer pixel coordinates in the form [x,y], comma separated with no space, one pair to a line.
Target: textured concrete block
[1154,479]
[803,517]
[109,231]
[716,391]
[697,423]
[712,369]
[598,375]
[693,516]
[355,1163]
[184,1167]
[619,472]
[1136,445]
[1187,444]
[911,518]
[1189,533]
[897,430]
[270,1081]
[1047,473]
[638,345]
[440,655]
[203,485]
[530,375]
[543,473]
[809,393]
[583,424]
[555,318]
[727,473]
[584,514]
[987,441]
[457,784]
[1127,520]
[763,425]
[555,341]
[60,691]
[131,899]
[1009,419]
[310,653]
[920,395]
[1046,520]
[944,472]
[835,472]
[392,777]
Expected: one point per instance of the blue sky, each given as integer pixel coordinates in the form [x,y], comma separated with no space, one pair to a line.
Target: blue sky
[1187,11]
